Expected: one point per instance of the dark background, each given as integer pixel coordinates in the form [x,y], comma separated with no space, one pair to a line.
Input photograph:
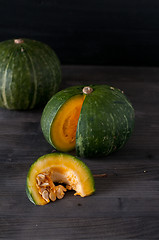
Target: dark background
[103,32]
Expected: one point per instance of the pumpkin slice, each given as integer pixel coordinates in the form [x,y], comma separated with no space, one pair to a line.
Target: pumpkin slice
[49,172]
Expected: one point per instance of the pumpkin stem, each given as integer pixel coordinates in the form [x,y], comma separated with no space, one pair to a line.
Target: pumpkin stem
[18,41]
[87,90]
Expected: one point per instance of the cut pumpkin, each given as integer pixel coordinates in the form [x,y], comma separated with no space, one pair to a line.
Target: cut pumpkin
[95,120]
[61,169]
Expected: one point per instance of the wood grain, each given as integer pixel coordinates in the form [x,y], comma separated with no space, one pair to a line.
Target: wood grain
[125,204]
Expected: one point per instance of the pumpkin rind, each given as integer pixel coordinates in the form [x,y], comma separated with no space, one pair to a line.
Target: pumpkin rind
[105,124]
[29,74]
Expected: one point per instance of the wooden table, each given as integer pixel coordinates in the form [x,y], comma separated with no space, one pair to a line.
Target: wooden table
[126,202]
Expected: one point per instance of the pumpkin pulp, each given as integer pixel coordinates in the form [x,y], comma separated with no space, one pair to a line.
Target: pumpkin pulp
[63,129]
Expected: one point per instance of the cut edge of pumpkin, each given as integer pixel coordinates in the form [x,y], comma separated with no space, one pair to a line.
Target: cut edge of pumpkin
[63,128]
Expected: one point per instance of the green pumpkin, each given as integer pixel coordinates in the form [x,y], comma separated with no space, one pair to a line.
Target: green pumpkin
[96,120]
[29,73]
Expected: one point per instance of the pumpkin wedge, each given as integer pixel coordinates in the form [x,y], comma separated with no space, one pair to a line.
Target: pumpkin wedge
[96,120]
[49,172]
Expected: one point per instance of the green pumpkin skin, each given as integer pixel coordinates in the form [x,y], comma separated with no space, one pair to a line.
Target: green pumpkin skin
[29,74]
[105,124]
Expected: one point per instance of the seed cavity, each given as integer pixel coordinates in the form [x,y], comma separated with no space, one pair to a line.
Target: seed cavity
[47,188]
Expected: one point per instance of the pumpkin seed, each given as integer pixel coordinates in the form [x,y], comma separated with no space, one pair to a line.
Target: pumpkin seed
[60,191]
[45,195]
[52,195]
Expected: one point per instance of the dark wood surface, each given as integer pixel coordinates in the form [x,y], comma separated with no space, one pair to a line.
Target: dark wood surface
[87,32]
[126,202]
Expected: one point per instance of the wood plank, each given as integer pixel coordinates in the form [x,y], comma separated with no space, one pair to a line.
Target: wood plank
[125,204]
[81,228]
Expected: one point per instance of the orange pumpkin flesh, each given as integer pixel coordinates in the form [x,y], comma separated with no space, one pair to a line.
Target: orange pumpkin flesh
[63,129]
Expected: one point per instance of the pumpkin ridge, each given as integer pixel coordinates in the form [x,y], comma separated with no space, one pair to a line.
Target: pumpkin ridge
[35,81]
[4,83]
[49,63]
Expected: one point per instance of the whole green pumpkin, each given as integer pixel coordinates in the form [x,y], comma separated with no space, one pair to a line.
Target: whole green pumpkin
[29,73]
